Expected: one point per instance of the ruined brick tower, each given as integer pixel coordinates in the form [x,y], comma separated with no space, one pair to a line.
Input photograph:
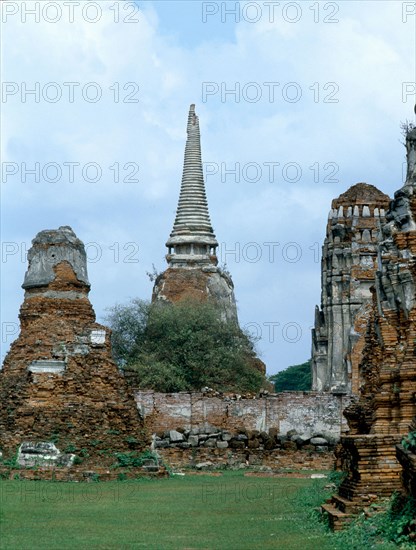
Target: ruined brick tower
[349,264]
[386,405]
[59,382]
[193,271]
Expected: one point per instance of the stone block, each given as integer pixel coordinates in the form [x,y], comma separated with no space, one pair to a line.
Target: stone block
[252,434]
[222,444]
[318,441]
[236,444]
[204,465]
[176,436]
[209,430]
[162,443]
[97,337]
[193,440]
[289,446]
[273,432]
[47,366]
[151,468]
[300,440]
[42,454]
[269,444]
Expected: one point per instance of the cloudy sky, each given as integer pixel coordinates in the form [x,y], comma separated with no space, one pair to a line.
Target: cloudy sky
[297,102]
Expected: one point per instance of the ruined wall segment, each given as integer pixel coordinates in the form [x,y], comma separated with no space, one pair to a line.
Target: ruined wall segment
[59,382]
[193,271]
[306,413]
[349,264]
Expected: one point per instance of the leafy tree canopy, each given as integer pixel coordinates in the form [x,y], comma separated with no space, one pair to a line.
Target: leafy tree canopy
[184,346]
[294,378]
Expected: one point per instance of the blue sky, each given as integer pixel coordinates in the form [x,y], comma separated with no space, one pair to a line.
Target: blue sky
[294,106]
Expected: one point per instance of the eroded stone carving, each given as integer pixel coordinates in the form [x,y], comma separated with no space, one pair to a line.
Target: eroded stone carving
[349,264]
[386,405]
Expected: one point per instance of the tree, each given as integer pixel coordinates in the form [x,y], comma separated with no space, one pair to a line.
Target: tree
[128,324]
[294,378]
[183,346]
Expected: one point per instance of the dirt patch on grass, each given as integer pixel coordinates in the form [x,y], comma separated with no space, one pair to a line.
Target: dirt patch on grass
[196,473]
[296,475]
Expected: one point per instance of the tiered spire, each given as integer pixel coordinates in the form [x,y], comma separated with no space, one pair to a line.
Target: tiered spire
[192,240]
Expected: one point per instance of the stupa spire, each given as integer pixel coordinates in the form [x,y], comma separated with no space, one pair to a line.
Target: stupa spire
[192,240]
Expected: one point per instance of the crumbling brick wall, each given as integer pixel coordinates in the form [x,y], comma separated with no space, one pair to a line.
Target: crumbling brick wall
[306,412]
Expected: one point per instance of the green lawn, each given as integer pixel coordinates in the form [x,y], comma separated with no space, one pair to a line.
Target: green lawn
[191,512]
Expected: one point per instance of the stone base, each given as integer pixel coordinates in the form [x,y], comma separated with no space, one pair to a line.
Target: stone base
[373,473]
[276,460]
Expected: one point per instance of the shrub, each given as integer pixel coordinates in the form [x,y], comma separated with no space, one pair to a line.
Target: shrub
[133,459]
[409,442]
[181,347]
[393,527]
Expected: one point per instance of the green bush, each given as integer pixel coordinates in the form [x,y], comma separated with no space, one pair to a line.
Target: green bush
[409,442]
[133,459]
[182,347]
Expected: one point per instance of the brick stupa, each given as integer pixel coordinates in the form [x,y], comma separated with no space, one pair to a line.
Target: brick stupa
[59,382]
[193,272]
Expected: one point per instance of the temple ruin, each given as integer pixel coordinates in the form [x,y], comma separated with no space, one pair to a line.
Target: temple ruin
[59,382]
[193,271]
[386,406]
[349,264]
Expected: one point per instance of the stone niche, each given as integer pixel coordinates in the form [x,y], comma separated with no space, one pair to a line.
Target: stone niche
[59,381]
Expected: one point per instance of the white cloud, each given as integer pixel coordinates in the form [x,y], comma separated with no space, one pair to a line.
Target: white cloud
[368,54]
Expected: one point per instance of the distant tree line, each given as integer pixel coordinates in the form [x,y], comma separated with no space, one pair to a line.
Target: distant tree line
[294,378]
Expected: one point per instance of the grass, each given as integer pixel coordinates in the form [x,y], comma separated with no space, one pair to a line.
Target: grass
[191,512]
